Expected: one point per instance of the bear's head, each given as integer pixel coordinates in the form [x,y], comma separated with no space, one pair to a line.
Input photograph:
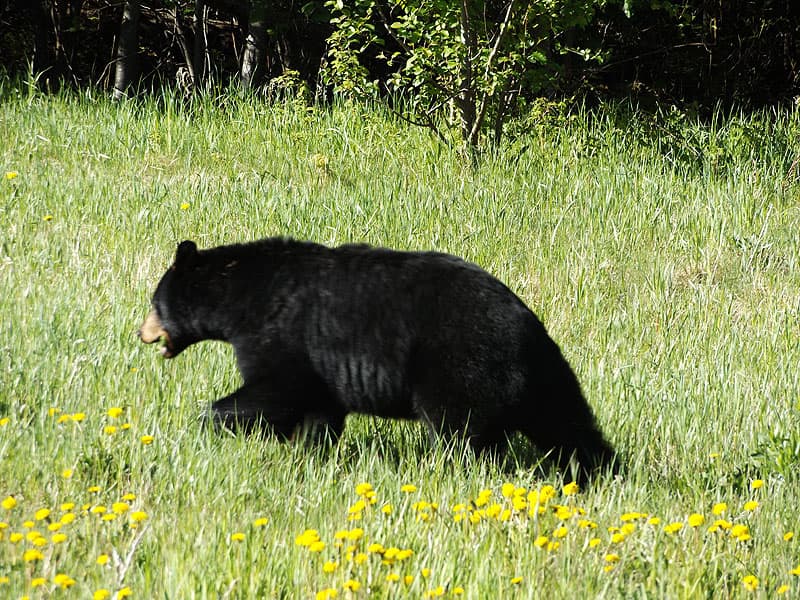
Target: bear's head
[174,316]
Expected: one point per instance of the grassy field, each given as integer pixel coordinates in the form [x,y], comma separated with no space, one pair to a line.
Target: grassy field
[662,254]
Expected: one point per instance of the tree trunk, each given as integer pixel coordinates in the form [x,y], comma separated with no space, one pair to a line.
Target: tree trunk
[199,43]
[127,49]
[255,47]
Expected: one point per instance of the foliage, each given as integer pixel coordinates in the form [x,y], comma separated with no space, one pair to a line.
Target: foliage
[464,64]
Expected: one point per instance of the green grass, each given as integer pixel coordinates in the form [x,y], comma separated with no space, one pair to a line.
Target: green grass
[661,253]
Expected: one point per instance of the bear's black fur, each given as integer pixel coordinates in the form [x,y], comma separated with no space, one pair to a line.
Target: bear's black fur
[323,332]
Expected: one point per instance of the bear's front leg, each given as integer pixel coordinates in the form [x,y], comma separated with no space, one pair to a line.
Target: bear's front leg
[256,405]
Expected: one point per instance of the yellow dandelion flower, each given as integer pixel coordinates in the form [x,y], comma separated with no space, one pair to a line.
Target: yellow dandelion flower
[63,581]
[376,548]
[782,590]
[41,514]
[714,455]
[101,594]
[519,503]
[594,542]
[147,439]
[32,555]
[547,493]
[425,572]
[11,175]
[32,535]
[392,577]
[139,516]
[67,506]
[673,527]
[66,473]
[185,205]
[351,585]
[53,411]
[355,534]
[739,530]
[751,505]
[237,537]
[458,591]
[516,580]
[115,412]
[631,516]
[750,582]
[541,541]
[102,560]
[58,538]
[93,489]
[408,579]
[357,507]
[360,558]
[55,526]
[120,507]
[570,489]
[618,538]
[553,546]
[128,497]
[435,592]
[4,580]
[756,484]
[78,417]
[308,537]
[563,512]
[317,546]
[330,566]
[627,528]
[788,536]
[696,520]
[38,581]
[28,524]
[124,593]
[507,490]
[67,518]
[611,558]
[260,522]
[326,593]
[719,508]
[9,502]
[363,488]
[110,429]
[5,421]
[795,571]
[408,488]
[108,517]
[125,426]
[63,419]
[560,532]
[387,509]
[608,568]
[483,498]
[98,510]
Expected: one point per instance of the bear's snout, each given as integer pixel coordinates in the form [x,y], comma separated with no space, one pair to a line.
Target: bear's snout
[152,331]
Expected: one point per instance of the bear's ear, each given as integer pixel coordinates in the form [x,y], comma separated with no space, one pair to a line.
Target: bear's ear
[186,254]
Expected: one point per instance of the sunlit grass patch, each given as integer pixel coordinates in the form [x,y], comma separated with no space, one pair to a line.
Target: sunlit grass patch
[660,252]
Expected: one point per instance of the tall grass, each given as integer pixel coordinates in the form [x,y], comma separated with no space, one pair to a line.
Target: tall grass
[661,252]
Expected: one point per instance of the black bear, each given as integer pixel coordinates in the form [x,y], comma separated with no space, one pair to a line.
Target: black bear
[322,332]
